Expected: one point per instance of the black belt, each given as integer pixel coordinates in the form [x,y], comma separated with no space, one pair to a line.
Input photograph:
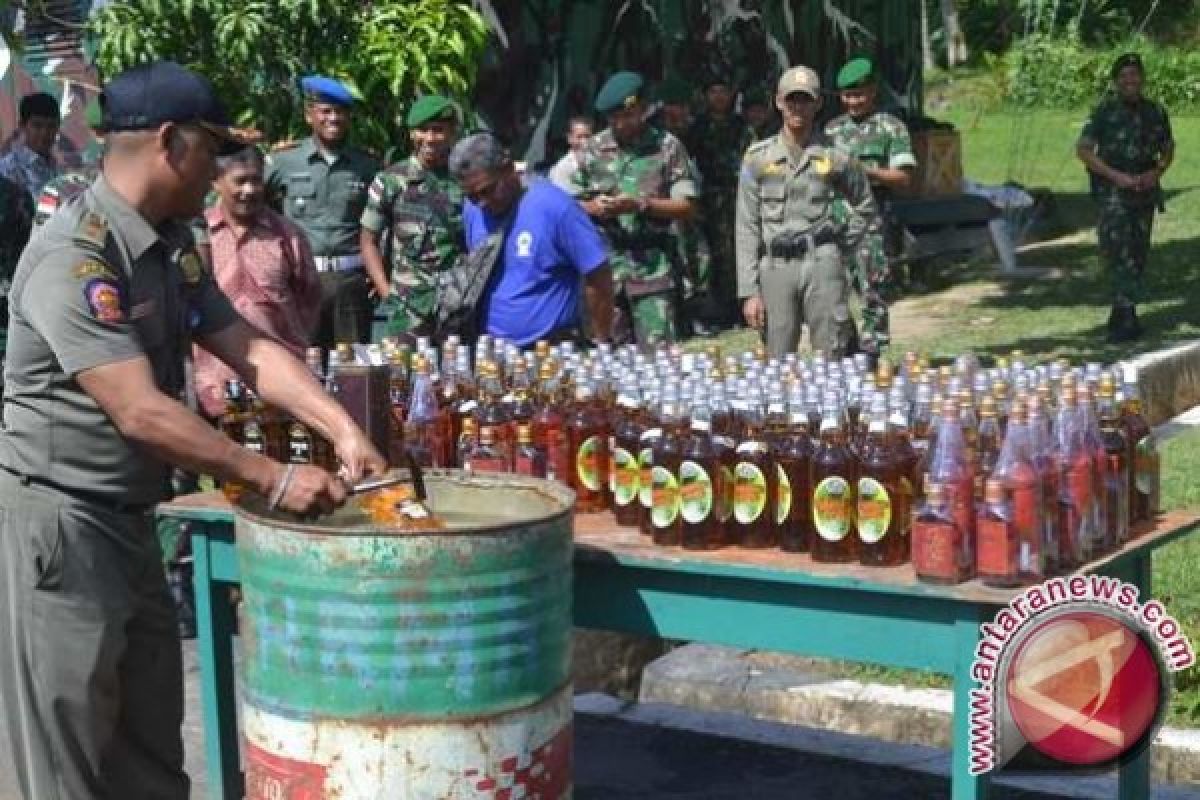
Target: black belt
[798,245]
[84,496]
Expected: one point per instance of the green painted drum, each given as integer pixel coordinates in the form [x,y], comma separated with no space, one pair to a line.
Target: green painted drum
[426,664]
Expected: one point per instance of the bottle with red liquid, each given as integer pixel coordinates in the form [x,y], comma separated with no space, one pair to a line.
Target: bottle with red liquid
[549,424]
[1143,458]
[665,519]
[988,443]
[937,545]
[950,466]
[1075,489]
[1045,459]
[529,459]
[493,411]
[587,442]
[488,454]
[1017,471]
[834,479]
[879,494]
[1116,450]
[1100,542]
[997,549]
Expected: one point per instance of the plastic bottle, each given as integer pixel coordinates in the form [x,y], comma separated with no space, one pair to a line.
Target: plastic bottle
[1017,471]
[937,545]
[950,466]
[997,546]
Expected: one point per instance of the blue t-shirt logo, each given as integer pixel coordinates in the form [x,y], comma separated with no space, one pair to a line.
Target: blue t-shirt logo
[524,244]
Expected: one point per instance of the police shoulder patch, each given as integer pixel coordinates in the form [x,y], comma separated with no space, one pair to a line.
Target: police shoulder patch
[86,270]
[92,228]
[105,300]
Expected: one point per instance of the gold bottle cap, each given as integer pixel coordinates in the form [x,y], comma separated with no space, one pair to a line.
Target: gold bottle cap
[987,406]
[993,491]
[525,433]
[487,435]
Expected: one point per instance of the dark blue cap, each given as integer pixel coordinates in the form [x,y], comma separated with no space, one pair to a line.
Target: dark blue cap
[146,96]
[323,89]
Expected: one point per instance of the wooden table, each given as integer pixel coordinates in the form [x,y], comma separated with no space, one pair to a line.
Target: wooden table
[741,598]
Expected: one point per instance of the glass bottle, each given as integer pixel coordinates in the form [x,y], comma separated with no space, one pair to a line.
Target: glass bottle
[651,433]
[467,440]
[665,519]
[937,541]
[1075,489]
[950,466]
[756,484]
[625,479]
[989,440]
[493,410]
[398,396]
[1144,460]
[878,505]
[724,441]
[488,454]
[549,431]
[423,427]
[832,502]
[587,444]
[1116,485]
[906,456]
[1090,428]
[698,470]
[793,457]
[997,548]
[530,459]
[1045,458]
[1019,478]
[301,447]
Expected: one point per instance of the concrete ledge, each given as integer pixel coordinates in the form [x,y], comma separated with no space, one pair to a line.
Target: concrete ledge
[797,692]
[1169,381]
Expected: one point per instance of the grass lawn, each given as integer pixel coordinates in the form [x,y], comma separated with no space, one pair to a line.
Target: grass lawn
[1063,312]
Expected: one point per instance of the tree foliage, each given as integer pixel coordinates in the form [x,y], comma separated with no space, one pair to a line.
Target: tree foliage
[255,52]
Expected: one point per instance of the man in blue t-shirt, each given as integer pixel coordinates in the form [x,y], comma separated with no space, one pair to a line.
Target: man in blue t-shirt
[550,244]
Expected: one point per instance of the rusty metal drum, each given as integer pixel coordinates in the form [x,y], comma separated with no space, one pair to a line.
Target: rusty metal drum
[410,665]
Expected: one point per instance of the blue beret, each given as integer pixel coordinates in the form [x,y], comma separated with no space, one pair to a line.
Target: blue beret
[322,89]
[857,72]
[620,91]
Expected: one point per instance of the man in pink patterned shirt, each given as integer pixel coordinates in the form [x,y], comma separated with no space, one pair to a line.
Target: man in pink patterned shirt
[262,262]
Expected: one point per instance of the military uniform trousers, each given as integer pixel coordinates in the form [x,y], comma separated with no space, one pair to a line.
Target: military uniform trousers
[1123,233]
[346,308]
[90,663]
[811,291]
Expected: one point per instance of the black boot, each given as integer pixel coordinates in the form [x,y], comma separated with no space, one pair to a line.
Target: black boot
[1123,325]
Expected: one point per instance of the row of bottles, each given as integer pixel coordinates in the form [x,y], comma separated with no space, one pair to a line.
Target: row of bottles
[1009,473]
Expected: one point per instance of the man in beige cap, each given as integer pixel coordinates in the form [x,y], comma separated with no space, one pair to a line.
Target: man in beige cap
[802,207]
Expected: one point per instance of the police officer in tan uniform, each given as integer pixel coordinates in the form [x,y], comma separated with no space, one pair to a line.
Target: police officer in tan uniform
[792,232]
[104,306]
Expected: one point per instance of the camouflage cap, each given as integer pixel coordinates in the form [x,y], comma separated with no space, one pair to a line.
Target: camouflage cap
[431,107]
[622,90]
[856,72]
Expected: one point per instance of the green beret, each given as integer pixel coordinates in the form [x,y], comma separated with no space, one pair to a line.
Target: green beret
[675,90]
[622,90]
[858,71]
[431,107]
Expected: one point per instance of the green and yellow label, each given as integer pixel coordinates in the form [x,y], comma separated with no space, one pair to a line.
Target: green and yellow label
[783,502]
[588,465]
[626,476]
[749,492]
[873,510]
[833,508]
[696,493]
[665,493]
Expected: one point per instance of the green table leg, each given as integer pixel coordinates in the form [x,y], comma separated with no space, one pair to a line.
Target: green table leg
[1133,779]
[214,639]
[964,785]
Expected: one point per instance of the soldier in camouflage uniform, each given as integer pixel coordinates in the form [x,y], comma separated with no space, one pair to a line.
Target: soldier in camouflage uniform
[759,113]
[416,208]
[881,143]
[719,139]
[791,241]
[1126,145]
[635,180]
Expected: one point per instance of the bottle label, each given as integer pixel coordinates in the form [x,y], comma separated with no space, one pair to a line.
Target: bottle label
[587,463]
[665,491]
[751,447]
[646,477]
[833,508]
[873,510]
[299,451]
[695,492]
[1145,466]
[725,489]
[935,549]
[783,502]
[749,492]
[626,476]
[486,465]
[529,465]
[725,441]
[996,553]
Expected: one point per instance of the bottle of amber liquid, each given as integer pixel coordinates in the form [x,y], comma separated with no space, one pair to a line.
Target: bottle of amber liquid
[793,460]
[1143,457]
[726,432]
[755,482]
[625,480]
[488,454]
[301,445]
[666,523]
[466,440]
[989,439]
[878,496]
[493,410]
[698,484]
[833,490]
[423,428]
[906,456]
[549,425]
[937,541]
[997,545]
[398,404]
[651,433]
[1116,477]
[587,443]
[530,459]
